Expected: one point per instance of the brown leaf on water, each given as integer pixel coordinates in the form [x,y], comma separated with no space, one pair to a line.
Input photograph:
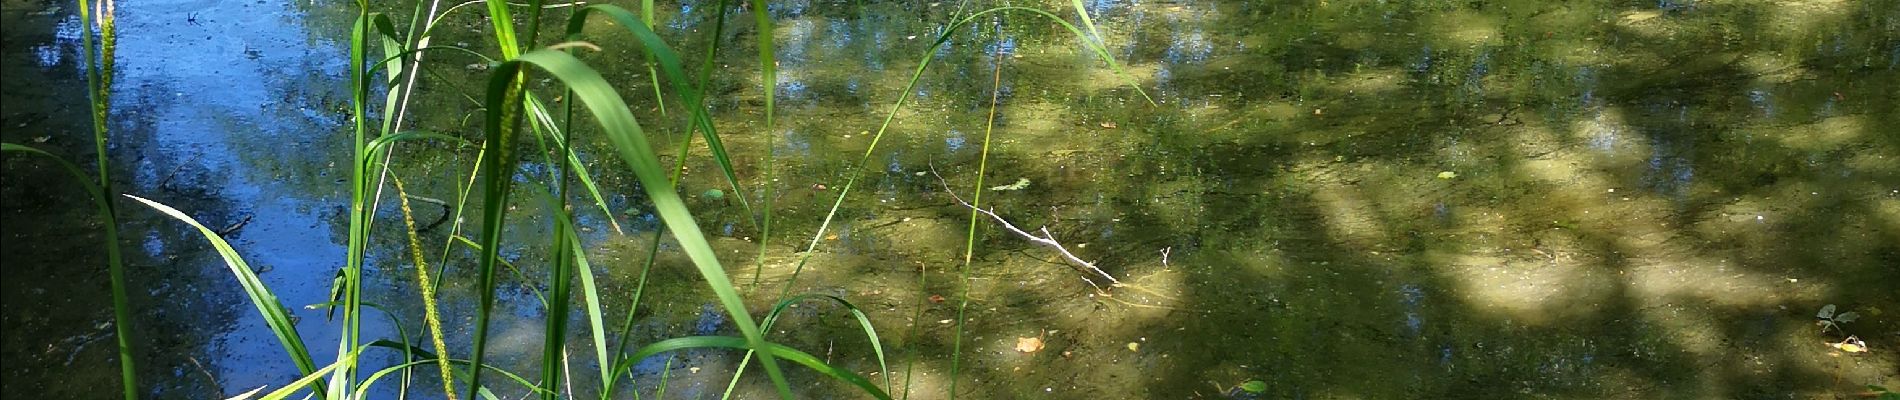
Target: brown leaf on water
[1108,124]
[1028,344]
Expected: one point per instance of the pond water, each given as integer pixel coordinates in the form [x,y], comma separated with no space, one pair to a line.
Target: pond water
[1340,199]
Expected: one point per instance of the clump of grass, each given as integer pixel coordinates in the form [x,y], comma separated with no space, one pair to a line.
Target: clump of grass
[509,104]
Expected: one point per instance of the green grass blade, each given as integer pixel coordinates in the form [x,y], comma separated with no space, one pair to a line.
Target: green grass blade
[768,75]
[311,378]
[670,67]
[1099,45]
[629,139]
[260,295]
[350,282]
[969,244]
[770,351]
[590,295]
[99,96]
[666,374]
[381,143]
[393,73]
[539,295]
[653,73]
[462,192]
[541,118]
[503,23]
[370,380]
[864,322]
[498,167]
[409,351]
[115,265]
[554,336]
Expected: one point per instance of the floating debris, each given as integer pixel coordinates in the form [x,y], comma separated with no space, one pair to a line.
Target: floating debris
[1028,344]
[1021,183]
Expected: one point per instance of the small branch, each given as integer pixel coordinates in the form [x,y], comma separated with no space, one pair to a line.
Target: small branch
[215,386]
[233,228]
[1047,239]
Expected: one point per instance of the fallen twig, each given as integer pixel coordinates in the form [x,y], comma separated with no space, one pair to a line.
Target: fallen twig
[1047,239]
[215,386]
[234,227]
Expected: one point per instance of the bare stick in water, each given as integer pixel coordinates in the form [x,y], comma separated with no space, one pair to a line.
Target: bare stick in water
[1047,239]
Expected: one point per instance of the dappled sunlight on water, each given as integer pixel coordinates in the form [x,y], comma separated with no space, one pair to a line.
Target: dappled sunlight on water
[1420,199]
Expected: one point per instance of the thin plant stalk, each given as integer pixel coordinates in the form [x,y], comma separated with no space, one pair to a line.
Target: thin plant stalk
[969,241]
[99,94]
[768,76]
[115,265]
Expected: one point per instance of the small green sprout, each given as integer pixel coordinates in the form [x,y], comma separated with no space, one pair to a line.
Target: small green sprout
[1827,319]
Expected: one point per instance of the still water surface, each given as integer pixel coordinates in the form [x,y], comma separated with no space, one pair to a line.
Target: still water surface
[1393,199]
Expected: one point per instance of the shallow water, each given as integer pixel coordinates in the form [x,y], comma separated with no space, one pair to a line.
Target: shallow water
[1500,199]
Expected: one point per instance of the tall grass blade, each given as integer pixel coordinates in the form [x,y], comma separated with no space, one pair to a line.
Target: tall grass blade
[969,244]
[497,172]
[115,264]
[768,351]
[1100,45]
[541,118]
[768,77]
[99,95]
[590,296]
[266,302]
[629,139]
[864,323]
[554,336]
[370,380]
[350,279]
[653,73]
[670,67]
[312,378]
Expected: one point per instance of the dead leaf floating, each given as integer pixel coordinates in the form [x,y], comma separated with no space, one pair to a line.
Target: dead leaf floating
[1028,344]
[1108,125]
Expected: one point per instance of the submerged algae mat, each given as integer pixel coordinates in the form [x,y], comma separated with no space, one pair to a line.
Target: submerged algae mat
[1503,199]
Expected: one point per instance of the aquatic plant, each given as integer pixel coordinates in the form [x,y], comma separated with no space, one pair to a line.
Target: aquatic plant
[510,104]
[1827,319]
[98,48]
